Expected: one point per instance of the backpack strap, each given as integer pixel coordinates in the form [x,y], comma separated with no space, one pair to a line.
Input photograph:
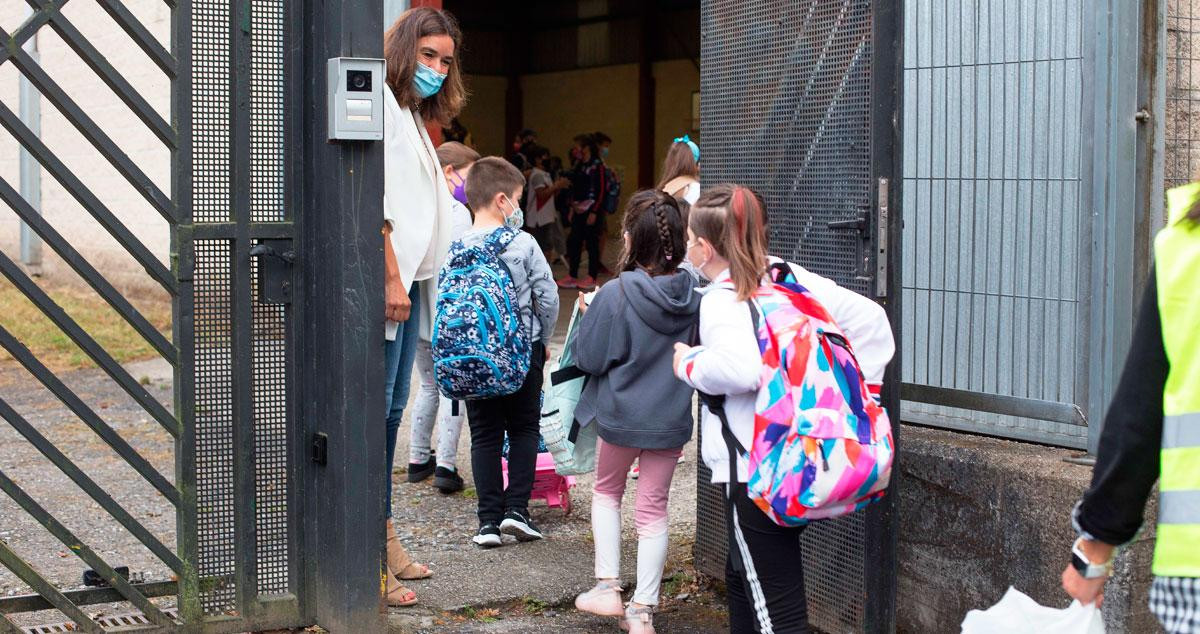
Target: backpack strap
[569,373]
[499,240]
[780,272]
[678,185]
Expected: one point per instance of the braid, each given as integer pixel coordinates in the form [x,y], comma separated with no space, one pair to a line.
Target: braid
[664,231]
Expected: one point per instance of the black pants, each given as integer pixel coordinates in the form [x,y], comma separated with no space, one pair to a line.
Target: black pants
[584,234]
[764,574]
[520,415]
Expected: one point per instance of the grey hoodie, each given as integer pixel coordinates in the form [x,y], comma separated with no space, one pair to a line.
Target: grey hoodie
[626,341]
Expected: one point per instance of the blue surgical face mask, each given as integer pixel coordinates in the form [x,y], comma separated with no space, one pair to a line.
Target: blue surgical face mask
[517,219]
[603,152]
[427,81]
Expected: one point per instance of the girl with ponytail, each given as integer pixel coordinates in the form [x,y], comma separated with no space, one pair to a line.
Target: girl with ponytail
[624,342]
[726,243]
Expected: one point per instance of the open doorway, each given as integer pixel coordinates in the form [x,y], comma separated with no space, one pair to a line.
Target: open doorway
[627,69]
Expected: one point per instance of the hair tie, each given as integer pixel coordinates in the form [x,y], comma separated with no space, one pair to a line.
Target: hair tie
[739,208]
[691,144]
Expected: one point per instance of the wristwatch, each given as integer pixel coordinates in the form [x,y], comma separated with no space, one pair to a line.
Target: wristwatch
[1086,568]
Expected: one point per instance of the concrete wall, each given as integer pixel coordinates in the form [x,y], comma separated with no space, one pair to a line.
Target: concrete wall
[562,104]
[674,83]
[980,514]
[102,105]
[484,114]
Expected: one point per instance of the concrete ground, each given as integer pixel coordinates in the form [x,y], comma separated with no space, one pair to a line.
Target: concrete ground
[516,588]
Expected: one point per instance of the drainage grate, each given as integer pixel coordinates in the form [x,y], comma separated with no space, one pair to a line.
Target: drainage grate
[132,619]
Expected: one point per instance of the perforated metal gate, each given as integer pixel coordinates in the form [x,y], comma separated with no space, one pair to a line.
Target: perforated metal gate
[798,101]
[236,74]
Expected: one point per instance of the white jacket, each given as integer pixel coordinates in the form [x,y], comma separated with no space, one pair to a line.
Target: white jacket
[728,361]
[416,202]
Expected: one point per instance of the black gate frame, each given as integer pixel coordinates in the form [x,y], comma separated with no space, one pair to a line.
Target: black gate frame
[882,258]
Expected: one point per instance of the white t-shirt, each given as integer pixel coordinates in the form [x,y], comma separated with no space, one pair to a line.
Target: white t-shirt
[536,216]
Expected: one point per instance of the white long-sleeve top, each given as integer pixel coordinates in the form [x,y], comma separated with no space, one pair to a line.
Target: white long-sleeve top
[416,202]
[727,361]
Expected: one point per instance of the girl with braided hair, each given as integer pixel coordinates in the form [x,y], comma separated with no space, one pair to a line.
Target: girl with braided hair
[624,343]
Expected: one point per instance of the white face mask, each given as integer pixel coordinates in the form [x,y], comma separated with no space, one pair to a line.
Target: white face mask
[516,219]
[699,266]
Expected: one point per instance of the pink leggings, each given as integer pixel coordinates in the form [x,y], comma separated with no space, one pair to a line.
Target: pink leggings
[656,468]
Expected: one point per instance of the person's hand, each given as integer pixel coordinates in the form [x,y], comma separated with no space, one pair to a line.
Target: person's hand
[681,349]
[396,300]
[547,354]
[591,219]
[583,305]
[1087,591]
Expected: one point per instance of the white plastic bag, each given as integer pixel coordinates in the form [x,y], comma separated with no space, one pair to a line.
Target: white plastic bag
[1016,613]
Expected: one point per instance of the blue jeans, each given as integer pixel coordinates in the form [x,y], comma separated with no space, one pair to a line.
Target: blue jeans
[398,356]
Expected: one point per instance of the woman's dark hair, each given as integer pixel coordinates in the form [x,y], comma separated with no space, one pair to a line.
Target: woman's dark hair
[536,153]
[601,138]
[400,51]
[589,141]
[657,233]
[679,162]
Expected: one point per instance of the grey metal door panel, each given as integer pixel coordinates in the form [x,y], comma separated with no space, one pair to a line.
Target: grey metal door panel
[799,100]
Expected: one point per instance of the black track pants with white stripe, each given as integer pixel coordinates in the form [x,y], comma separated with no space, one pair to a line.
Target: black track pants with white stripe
[764,575]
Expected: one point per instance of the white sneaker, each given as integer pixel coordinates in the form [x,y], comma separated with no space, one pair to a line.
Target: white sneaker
[638,619]
[604,600]
[488,536]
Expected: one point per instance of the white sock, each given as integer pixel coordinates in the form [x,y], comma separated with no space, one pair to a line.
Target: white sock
[606,532]
[651,557]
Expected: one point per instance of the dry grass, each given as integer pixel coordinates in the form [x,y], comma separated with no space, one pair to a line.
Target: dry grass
[52,346]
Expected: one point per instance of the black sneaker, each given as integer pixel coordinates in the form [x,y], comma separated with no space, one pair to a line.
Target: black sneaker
[488,536]
[518,524]
[447,480]
[418,471]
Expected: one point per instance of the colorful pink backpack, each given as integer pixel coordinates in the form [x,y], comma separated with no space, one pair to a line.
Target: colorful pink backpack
[822,446]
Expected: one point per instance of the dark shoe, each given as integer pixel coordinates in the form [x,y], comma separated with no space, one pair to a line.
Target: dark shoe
[488,536]
[518,524]
[447,480]
[418,471]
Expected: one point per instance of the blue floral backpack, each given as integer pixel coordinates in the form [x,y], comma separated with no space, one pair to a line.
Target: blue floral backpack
[480,346]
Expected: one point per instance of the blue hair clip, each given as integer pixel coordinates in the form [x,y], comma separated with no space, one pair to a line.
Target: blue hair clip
[692,144]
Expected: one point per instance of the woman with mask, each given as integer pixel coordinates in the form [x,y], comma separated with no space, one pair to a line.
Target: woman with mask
[456,160]
[424,85]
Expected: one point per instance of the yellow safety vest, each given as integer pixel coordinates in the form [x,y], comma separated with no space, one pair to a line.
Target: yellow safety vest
[1177,266]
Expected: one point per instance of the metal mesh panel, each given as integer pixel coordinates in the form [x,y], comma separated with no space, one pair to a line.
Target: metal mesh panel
[214,424]
[210,111]
[786,109]
[992,160]
[269,321]
[266,108]
[272,483]
[1183,98]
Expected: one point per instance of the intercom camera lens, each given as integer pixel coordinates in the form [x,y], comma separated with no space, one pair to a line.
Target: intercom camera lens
[358,80]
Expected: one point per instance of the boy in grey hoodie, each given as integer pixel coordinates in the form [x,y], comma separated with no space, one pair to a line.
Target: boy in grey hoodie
[625,343]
